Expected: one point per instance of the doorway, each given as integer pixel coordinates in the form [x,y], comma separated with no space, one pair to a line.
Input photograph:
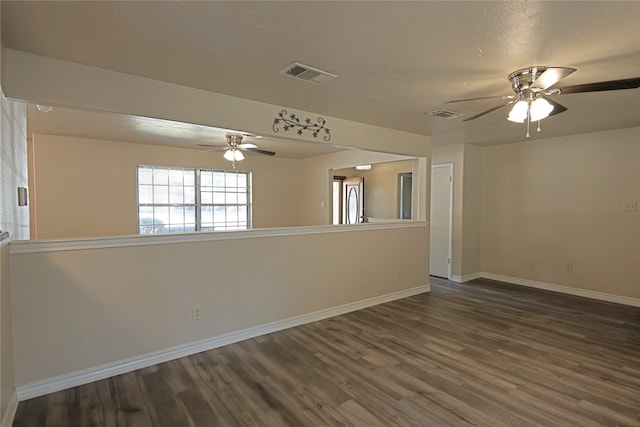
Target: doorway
[441,220]
[353,200]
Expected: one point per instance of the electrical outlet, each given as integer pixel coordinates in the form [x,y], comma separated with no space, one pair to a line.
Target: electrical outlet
[532,266]
[630,207]
[397,273]
[569,267]
[196,314]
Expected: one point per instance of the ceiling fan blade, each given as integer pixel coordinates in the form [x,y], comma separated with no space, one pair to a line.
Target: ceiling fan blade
[247,145]
[210,148]
[259,151]
[551,76]
[557,107]
[490,110]
[631,83]
[482,97]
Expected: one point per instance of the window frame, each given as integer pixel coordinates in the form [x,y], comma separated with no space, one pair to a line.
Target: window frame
[197,205]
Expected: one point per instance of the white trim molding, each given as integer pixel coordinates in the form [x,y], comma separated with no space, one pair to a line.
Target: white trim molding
[10,411]
[56,245]
[74,379]
[601,296]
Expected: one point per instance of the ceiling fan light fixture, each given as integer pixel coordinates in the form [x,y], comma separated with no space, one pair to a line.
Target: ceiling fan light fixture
[229,155]
[540,109]
[519,112]
[233,155]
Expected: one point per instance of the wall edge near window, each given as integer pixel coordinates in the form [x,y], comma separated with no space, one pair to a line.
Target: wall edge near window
[40,246]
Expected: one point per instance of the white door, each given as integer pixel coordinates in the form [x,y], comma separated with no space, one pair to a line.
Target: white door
[441,220]
[353,200]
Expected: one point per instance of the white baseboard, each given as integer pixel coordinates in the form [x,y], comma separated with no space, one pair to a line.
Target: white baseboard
[10,411]
[466,277]
[602,296]
[74,379]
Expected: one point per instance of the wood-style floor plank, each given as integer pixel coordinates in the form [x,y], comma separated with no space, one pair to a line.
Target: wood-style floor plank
[476,354]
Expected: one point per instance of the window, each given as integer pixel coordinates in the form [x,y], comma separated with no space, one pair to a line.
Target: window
[173,199]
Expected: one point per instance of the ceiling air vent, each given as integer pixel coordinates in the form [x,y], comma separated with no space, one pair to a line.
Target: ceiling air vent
[445,114]
[307,74]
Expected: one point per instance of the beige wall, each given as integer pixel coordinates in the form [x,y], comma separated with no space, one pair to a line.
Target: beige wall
[560,200]
[472,210]
[551,202]
[84,187]
[98,180]
[86,307]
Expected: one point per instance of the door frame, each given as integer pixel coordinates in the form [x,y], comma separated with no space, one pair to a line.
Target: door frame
[450,167]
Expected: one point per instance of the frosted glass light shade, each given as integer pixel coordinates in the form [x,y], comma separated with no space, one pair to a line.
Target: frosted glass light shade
[519,112]
[540,109]
[233,155]
[229,155]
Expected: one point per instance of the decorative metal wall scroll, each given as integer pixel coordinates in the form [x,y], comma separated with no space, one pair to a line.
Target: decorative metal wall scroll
[292,122]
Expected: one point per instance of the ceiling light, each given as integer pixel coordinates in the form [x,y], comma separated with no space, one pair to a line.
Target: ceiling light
[540,109]
[534,108]
[44,108]
[519,112]
[363,167]
[233,155]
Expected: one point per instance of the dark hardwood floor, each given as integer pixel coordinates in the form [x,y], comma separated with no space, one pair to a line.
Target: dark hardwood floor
[474,354]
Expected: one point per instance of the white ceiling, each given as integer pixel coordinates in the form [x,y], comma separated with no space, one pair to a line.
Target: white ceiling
[395,60]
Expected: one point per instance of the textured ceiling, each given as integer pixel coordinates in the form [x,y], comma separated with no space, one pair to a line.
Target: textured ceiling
[395,60]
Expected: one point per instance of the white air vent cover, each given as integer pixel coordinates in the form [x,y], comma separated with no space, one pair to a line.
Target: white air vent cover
[307,74]
[445,114]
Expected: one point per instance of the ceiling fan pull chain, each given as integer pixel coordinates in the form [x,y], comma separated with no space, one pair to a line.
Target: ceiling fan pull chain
[528,135]
[539,128]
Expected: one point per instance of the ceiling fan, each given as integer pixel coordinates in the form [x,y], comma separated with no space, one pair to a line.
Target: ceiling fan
[235,147]
[534,85]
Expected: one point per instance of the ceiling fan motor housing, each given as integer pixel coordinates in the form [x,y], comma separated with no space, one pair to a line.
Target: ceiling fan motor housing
[233,140]
[521,80]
